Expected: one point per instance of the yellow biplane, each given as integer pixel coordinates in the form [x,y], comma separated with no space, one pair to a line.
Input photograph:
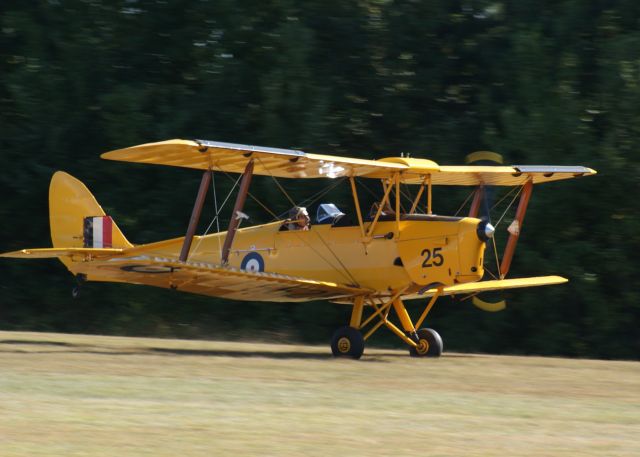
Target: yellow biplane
[373,261]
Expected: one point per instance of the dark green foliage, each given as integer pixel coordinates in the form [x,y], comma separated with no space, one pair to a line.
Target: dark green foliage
[540,82]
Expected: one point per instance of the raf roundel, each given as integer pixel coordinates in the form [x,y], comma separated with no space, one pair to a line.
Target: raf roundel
[252,262]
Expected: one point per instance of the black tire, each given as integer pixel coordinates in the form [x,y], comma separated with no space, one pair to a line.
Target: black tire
[347,342]
[429,344]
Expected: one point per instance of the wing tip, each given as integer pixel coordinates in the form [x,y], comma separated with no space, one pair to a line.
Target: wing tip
[114,154]
[15,254]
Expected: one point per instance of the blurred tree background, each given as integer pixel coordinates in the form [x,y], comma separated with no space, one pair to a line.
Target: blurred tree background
[542,82]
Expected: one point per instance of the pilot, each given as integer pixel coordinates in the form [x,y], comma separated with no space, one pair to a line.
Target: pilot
[299,218]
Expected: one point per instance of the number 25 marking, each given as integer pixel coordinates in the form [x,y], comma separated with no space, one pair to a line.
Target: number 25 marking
[432,258]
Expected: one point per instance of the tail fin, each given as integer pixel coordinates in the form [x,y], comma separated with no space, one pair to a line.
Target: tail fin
[76,218]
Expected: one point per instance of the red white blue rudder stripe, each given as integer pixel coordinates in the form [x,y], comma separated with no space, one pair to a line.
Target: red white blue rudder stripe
[98,232]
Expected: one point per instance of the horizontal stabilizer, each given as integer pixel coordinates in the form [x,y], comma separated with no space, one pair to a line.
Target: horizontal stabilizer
[52,253]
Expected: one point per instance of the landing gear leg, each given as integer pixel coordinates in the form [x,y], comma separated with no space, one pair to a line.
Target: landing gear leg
[428,340]
[348,341]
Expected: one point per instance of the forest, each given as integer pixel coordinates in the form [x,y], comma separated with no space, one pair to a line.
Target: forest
[540,82]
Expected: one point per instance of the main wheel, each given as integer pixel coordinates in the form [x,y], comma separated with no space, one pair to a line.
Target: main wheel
[347,342]
[429,344]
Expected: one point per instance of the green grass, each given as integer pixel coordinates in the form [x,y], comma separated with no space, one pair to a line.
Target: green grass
[75,395]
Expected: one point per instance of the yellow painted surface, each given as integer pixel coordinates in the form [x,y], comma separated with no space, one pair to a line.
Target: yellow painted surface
[69,203]
[439,252]
[233,158]
[213,280]
[334,255]
[496,284]
[267,263]
[416,165]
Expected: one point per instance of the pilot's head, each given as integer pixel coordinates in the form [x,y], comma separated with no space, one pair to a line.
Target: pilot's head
[302,216]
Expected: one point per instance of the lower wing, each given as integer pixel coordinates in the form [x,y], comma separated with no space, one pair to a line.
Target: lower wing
[76,254]
[497,284]
[117,265]
[215,280]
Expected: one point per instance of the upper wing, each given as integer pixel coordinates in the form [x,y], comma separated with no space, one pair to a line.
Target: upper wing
[289,163]
[230,157]
[213,280]
[497,284]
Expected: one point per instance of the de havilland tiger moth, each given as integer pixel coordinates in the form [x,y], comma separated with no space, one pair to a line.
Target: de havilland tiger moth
[373,261]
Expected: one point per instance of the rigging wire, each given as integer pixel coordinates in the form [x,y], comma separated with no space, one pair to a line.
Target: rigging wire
[508,207]
[276,181]
[493,239]
[362,184]
[308,201]
[495,252]
[372,193]
[402,210]
[317,196]
[503,198]
[348,276]
[265,207]
[409,198]
[464,203]
[355,282]
[216,217]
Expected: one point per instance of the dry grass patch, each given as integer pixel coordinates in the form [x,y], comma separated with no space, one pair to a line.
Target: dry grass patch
[82,395]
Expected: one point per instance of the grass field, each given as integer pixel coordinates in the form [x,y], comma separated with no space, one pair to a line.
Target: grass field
[73,395]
